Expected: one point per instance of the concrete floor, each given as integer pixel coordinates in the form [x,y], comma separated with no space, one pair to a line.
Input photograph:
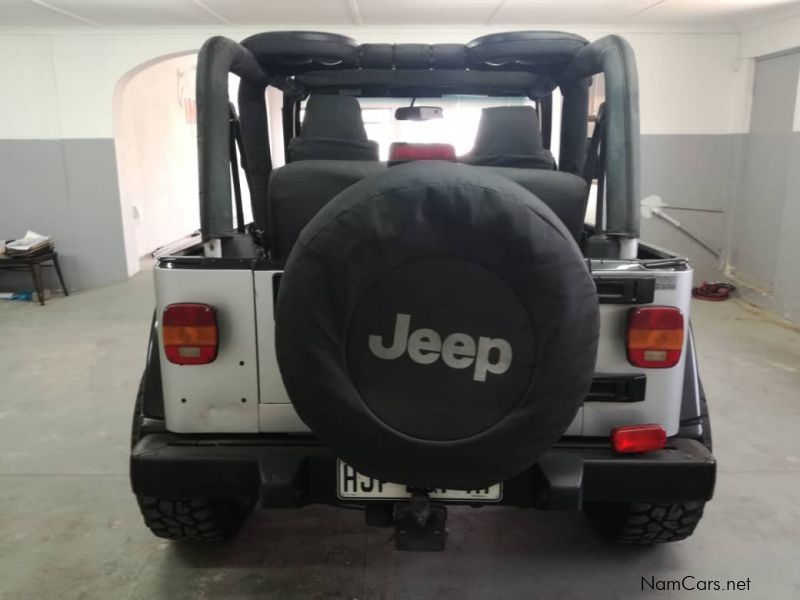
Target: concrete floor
[69,527]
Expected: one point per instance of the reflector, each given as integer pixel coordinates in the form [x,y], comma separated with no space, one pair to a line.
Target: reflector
[638,438]
[655,336]
[189,332]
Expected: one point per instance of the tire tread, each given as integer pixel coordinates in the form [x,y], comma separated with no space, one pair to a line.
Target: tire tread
[195,520]
[640,523]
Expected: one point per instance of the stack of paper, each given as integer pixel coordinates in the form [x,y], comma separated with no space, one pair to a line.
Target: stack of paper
[30,245]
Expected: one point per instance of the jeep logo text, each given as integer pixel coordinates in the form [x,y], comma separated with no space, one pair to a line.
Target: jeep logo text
[458,350]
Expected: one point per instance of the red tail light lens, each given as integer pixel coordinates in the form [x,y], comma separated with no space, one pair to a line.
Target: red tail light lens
[190,334]
[655,336]
[638,438]
[403,152]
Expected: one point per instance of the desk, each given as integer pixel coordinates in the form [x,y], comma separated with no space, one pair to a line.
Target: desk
[33,264]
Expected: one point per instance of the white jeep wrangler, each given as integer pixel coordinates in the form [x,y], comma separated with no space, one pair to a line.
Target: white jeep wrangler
[430,330]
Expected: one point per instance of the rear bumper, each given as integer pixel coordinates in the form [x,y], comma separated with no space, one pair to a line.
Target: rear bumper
[292,472]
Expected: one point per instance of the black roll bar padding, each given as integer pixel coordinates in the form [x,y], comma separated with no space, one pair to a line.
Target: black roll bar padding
[590,170]
[595,155]
[235,140]
[297,118]
[236,124]
[546,116]
[613,56]
[287,112]
[574,118]
[256,153]
[218,57]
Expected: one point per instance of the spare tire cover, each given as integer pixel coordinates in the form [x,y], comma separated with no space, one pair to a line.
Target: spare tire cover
[437,326]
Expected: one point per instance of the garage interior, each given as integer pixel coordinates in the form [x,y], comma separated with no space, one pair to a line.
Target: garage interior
[97,151]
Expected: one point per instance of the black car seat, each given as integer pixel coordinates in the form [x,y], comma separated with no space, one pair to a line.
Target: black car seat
[563,193]
[331,154]
[332,129]
[509,136]
[509,143]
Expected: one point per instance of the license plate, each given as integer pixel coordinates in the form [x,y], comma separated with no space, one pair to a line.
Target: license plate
[353,485]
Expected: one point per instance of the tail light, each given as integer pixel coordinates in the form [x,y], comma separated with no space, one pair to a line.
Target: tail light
[638,438]
[190,334]
[404,152]
[655,336]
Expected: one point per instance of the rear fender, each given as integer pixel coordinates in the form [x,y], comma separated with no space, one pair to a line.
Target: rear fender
[695,423]
[152,392]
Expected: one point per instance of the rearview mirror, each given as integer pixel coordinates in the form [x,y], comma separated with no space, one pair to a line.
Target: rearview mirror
[418,113]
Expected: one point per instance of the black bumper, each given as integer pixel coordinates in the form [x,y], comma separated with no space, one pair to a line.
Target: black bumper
[292,472]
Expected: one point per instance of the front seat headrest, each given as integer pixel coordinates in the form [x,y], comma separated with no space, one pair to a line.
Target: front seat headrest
[332,129]
[509,136]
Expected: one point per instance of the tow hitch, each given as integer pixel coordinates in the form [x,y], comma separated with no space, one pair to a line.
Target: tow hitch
[419,524]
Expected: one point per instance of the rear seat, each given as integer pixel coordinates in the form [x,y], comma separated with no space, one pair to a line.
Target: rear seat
[332,129]
[321,166]
[331,154]
[509,143]
[563,193]
[300,190]
[509,136]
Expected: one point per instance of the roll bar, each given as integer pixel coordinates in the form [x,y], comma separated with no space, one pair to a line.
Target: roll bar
[218,57]
[610,55]
[613,56]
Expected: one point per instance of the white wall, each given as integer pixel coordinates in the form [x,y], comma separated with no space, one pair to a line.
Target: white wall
[156,145]
[70,77]
[688,83]
[768,39]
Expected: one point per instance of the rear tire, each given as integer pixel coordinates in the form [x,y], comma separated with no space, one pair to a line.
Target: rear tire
[192,519]
[643,524]
[196,520]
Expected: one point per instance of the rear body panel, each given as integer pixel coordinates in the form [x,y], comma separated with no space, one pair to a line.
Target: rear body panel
[663,393]
[221,396]
[242,390]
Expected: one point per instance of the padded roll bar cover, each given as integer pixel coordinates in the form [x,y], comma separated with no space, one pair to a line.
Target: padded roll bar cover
[540,48]
[376,56]
[449,56]
[218,57]
[613,56]
[255,139]
[574,126]
[277,49]
[412,56]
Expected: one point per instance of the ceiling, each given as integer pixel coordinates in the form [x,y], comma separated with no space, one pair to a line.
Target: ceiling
[707,15]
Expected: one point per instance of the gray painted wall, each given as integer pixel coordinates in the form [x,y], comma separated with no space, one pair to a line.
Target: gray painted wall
[68,189]
[787,272]
[765,247]
[691,174]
